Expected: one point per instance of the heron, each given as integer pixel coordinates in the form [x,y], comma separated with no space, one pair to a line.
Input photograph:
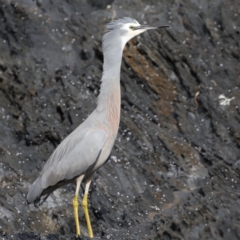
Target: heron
[88,147]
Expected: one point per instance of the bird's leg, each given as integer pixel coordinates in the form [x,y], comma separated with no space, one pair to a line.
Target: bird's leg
[75,209]
[75,205]
[85,208]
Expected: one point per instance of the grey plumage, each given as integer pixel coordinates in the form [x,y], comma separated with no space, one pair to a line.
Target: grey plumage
[81,153]
[62,167]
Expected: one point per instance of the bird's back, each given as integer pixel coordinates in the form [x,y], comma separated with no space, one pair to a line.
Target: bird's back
[76,154]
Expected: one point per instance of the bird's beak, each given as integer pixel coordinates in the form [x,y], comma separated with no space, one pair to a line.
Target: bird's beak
[146,27]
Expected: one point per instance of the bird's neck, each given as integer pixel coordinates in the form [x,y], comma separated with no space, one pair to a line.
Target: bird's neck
[109,99]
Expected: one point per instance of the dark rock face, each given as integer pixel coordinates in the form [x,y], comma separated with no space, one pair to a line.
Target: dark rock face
[174,171]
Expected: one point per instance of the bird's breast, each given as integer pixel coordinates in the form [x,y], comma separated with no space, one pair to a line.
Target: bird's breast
[113,112]
[108,115]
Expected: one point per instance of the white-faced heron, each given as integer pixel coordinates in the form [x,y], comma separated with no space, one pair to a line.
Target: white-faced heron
[88,147]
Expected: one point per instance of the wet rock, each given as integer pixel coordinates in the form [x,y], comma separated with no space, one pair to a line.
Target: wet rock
[174,170]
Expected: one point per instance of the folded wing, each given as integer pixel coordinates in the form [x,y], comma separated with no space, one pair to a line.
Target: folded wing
[72,158]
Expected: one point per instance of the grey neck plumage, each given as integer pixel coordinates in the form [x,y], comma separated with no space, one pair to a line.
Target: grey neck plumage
[112,52]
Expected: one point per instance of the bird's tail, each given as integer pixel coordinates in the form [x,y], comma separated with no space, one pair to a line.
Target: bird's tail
[35,194]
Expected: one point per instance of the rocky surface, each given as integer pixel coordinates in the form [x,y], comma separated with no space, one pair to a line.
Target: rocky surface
[174,171]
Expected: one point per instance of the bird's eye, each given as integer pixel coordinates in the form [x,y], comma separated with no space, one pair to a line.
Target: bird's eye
[131,27]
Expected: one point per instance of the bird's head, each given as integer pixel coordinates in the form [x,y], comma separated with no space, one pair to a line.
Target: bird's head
[125,29]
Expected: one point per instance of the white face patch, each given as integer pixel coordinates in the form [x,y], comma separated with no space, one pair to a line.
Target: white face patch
[122,30]
[129,32]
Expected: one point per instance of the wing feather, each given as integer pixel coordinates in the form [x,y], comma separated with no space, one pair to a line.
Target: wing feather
[72,158]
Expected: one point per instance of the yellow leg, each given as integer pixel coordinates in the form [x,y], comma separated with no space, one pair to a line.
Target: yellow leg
[75,209]
[85,208]
[75,205]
